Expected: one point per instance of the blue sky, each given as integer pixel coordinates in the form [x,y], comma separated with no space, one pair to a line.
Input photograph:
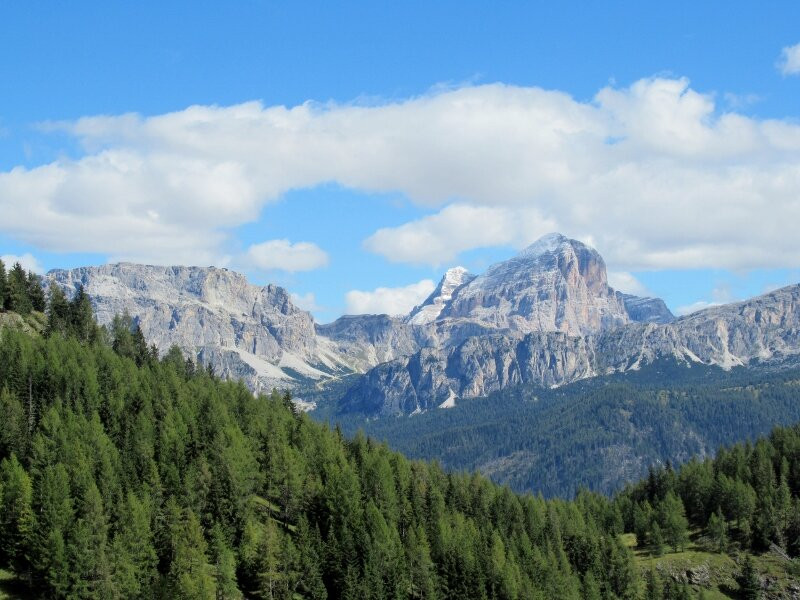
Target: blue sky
[417,136]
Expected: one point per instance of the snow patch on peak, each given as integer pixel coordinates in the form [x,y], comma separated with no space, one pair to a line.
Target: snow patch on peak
[547,243]
[432,307]
[456,275]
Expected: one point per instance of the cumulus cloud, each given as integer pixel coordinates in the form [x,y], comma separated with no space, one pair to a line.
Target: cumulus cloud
[390,301]
[789,63]
[627,283]
[719,295]
[28,262]
[286,256]
[305,301]
[656,174]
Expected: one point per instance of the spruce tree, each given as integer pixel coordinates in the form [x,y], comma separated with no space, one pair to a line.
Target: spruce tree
[17,298]
[191,575]
[16,515]
[749,581]
[718,531]
[673,520]
[58,312]
[35,292]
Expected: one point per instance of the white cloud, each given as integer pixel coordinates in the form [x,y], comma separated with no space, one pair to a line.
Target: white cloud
[655,174]
[305,301]
[694,307]
[627,283]
[390,301]
[789,63]
[28,262]
[721,294]
[283,255]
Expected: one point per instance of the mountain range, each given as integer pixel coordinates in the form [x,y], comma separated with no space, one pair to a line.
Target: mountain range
[545,317]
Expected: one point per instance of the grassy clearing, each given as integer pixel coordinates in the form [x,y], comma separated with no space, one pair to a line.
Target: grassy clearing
[722,568]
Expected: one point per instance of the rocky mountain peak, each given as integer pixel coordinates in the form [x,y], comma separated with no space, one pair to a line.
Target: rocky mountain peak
[432,307]
[555,284]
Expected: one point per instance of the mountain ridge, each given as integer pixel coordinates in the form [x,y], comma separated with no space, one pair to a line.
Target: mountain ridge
[545,316]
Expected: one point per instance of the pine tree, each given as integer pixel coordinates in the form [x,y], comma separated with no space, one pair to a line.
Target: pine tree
[54,511]
[654,589]
[718,531]
[657,540]
[224,563]
[81,317]
[134,553]
[17,298]
[35,292]
[191,575]
[309,543]
[422,571]
[58,312]
[87,549]
[673,520]
[16,515]
[591,589]
[749,581]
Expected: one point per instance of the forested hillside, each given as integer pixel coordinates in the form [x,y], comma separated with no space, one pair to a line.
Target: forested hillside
[599,433]
[126,475]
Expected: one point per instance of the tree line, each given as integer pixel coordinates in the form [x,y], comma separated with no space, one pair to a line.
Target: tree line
[746,497]
[20,291]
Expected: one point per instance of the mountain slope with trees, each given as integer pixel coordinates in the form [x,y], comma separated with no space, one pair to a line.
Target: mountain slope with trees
[126,475]
[599,433]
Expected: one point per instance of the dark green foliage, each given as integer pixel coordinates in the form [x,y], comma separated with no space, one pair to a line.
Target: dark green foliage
[35,292]
[747,496]
[748,580]
[17,297]
[122,475]
[600,433]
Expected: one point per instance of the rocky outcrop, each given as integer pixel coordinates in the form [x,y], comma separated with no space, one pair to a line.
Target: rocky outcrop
[240,329]
[365,341]
[646,310]
[438,377]
[764,328]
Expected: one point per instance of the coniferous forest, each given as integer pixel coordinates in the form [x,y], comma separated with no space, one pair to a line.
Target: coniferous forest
[125,474]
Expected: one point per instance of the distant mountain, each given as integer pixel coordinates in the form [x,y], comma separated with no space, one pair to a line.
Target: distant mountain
[243,331]
[546,317]
[646,310]
[764,328]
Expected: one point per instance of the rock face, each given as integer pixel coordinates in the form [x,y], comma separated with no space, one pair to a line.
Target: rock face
[764,328]
[242,330]
[546,316]
[368,340]
[556,284]
[646,310]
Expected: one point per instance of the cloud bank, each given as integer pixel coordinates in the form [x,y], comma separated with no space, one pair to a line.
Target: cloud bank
[390,301]
[654,175]
[27,261]
[286,256]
